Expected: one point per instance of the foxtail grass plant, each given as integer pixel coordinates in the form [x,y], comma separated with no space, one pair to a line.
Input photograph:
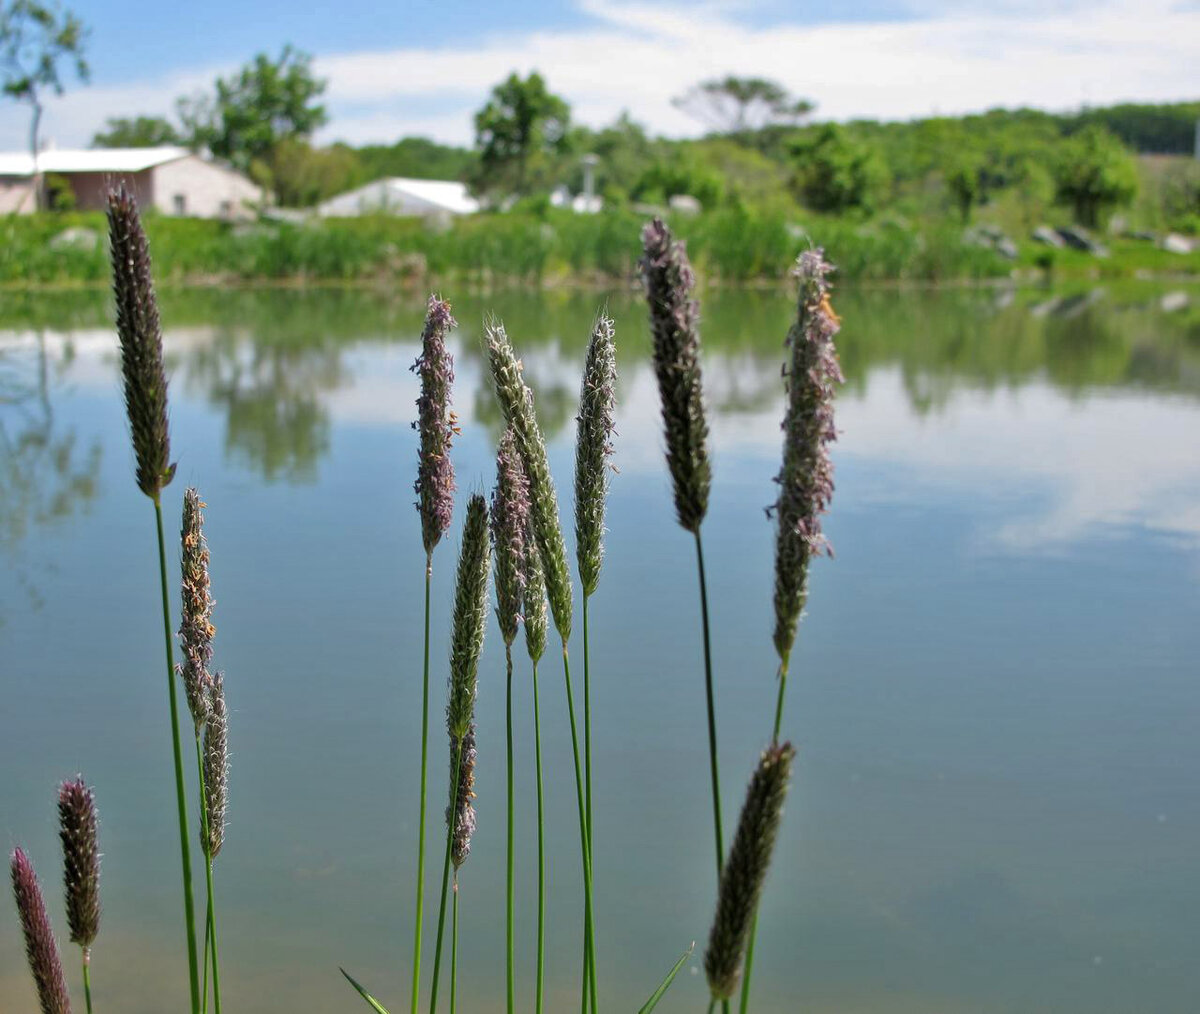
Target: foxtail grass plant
[535,644]
[675,333]
[593,453]
[466,644]
[746,870]
[205,695]
[805,476]
[434,487]
[77,823]
[145,384]
[516,403]
[510,528]
[40,947]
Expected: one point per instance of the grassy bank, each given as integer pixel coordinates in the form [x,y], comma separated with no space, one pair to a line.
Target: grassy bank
[728,246]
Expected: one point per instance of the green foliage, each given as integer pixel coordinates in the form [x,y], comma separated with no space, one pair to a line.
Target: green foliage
[1094,174]
[304,176]
[413,157]
[835,173]
[1157,129]
[35,38]
[965,181]
[136,132]
[266,102]
[59,196]
[519,134]
[669,178]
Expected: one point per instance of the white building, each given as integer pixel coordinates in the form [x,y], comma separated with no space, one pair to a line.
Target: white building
[396,195]
[173,181]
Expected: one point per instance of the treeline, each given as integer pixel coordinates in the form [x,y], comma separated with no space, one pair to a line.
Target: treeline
[1024,166]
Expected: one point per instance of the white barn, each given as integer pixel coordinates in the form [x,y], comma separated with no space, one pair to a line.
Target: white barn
[173,181]
[397,195]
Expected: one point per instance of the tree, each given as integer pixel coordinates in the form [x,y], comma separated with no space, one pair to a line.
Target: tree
[965,181]
[735,105]
[35,38]
[519,134]
[304,176]
[136,132]
[1094,174]
[835,173]
[266,102]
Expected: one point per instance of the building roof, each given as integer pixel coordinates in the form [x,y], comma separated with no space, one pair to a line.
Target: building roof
[89,160]
[398,191]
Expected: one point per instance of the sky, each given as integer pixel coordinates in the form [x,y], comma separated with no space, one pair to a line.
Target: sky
[423,67]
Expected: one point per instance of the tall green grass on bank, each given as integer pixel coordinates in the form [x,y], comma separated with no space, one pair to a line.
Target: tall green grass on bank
[729,246]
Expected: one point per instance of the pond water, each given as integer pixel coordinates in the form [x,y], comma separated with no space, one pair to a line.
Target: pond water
[994,691]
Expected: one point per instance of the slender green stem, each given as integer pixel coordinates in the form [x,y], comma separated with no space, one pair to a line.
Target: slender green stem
[185,855]
[590,930]
[207,940]
[210,917]
[508,922]
[744,1000]
[712,719]
[541,846]
[783,675]
[437,947]
[589,971]
[454,944]
[416,964]
[87,978]
[212,926]
[711,1004]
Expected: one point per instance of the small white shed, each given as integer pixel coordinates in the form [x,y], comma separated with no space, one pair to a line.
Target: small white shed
[397,195]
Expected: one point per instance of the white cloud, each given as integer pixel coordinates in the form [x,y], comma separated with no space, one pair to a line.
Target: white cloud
[639,55]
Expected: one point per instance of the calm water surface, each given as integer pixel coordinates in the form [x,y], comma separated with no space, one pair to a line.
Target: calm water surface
[994,691]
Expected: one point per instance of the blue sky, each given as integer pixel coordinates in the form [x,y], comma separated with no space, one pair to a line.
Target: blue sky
[423,66]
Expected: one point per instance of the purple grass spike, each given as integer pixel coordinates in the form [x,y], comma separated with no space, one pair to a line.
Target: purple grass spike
[40,948]
[437,425]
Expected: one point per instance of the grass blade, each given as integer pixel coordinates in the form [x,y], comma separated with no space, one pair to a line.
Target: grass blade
[666,983]
[374,1004]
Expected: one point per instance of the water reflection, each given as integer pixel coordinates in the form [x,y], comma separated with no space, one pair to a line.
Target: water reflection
[993,690]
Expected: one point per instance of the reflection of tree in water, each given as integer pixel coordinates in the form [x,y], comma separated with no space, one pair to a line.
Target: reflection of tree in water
[45,474]
[272,394]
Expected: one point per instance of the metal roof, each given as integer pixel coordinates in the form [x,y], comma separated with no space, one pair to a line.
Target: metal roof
[89,160]
[401,192]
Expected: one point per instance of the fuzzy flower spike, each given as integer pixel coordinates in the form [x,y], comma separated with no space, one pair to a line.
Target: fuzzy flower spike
[196,630]
[40,948]
[806,477]
[746,870]
[516,401]
[510,529]
[436,424]
[81,861]
[593,449]
[466,644]
[141,344]
[674,326]
[216,768]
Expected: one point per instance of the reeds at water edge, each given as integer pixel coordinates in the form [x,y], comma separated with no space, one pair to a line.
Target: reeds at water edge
[436,425]
[78,832]
[205,692]
[510,530]
[140,335]
[516,403]
[41,950]
[535,643]
[466,644]
[668,281]
[593,454]
[805,476]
